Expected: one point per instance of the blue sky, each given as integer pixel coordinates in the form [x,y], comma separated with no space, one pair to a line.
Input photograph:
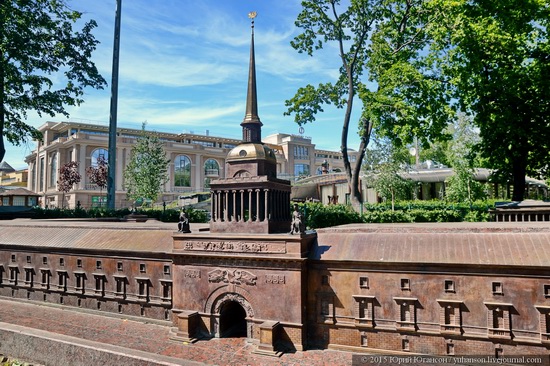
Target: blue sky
[184,67]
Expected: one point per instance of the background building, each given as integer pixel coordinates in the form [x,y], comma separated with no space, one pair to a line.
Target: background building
[195,160]
[11,177]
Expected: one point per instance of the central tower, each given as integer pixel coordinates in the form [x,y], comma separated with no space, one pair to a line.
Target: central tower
[250,199]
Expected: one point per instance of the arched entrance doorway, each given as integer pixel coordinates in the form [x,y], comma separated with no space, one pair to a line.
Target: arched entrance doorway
[232,320]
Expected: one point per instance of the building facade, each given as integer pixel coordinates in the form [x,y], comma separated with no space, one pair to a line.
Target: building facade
[195,160]
[434,289]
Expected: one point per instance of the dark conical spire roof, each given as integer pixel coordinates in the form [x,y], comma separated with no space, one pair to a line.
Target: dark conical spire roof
[251,123]
[6,168]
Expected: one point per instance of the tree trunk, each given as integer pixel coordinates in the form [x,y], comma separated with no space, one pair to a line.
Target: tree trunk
[2,112]
[518,172]
[356,196]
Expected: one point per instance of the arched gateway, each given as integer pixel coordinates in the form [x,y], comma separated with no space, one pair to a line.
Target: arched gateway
[232,315]
[232,320]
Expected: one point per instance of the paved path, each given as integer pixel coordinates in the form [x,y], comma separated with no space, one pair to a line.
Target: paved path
[147,340]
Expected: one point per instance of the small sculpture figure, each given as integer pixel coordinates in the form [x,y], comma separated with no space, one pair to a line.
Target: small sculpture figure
[297,226]
[183,224]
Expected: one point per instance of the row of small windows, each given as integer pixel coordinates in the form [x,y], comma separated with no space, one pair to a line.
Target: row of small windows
[406,346]
[301,152]
[498,314]
[188,141]
[448,285]
[98,264]
[100,279]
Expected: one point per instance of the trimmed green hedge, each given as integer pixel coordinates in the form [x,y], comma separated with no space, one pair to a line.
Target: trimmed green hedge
[195,216]
[318,215]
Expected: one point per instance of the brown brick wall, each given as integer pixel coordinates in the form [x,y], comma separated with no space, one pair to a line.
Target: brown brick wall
[32,288]
[472,295]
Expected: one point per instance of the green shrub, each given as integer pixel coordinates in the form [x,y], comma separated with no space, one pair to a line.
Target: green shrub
[387,216]
[318,215]
[195,216]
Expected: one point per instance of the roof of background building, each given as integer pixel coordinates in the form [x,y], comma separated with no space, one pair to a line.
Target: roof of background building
[6,168]
[19,192]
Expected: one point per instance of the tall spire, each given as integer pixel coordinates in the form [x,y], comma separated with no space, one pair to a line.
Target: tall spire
[252,126]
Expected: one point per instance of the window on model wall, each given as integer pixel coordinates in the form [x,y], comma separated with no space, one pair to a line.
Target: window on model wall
[182,171]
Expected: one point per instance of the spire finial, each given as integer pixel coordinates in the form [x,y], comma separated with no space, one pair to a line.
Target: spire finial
[251,123]
[252,15]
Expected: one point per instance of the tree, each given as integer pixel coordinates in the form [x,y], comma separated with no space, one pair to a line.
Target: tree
[495,60]
[383,163]
[463,156]
[490,61]
[98,174]
[147,170]
[355,29]
[68,177]
[37,41]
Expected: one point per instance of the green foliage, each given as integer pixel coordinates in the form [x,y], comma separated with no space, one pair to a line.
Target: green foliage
[410,101]
[318,215]
[195,216]
[345,28]
[463,187]
[484,58]
[494,60]
[147,170]
[385,174]
[379,216]
[13,362]
[45,64]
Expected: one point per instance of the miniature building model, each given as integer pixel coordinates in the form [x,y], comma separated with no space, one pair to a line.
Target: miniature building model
[251,198]
[224,278]
[434,289]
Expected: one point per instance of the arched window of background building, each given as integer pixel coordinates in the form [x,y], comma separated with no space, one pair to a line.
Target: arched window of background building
[99,153]
[211,168]
[182,171]
[301,170]
[53,171]
[42,174]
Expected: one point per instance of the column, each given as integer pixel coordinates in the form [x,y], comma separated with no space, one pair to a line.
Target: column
[241,195]
[226,208]
[213,205]
[82,166]
[257,205]
[235,218]
[219,205]
[250,211]
[266,208]
[198,172]
[278,205]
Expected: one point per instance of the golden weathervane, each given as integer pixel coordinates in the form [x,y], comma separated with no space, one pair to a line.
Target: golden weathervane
[252,14]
